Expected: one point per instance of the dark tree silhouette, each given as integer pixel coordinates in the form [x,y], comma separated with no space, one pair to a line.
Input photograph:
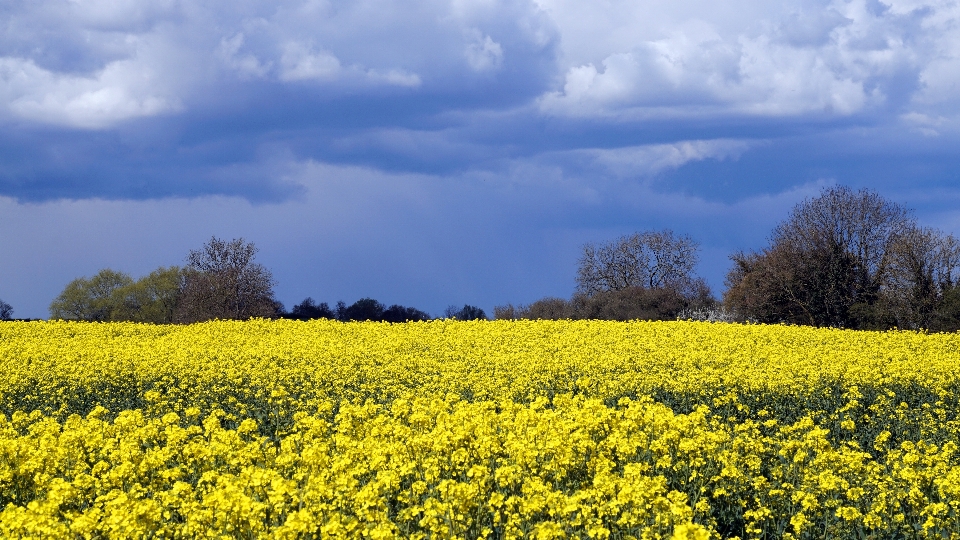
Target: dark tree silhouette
[398,313]
[365,309]
[309,310]
[6,311]
[466,313]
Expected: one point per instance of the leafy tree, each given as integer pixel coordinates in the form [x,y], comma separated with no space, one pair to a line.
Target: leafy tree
[6,311]
[365,309]
[99,298]
[398,313]
[153,298]
[466,313]
[308,309]
[222,281]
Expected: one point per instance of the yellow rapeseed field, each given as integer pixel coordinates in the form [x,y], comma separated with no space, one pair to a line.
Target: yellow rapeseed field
[504,429]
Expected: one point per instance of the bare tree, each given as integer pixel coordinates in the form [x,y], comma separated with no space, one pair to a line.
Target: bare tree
[508,312]
[651,259]
[465,313]
[6,311]
[647,275]
[222,281]
[922,267]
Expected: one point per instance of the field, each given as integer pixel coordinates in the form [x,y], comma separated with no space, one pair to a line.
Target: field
[504,429]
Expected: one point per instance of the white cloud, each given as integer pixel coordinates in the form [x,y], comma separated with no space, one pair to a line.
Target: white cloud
[832,58]
[246,64]
[617,60]
[394,77]
[120,91]
[299,63]
[656,158]
[483,53]
[924,124]
[753,76]
[64,59]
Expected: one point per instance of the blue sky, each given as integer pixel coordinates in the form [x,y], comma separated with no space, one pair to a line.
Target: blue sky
[453,151]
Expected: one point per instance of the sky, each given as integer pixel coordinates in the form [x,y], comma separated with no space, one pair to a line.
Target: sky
[450,152]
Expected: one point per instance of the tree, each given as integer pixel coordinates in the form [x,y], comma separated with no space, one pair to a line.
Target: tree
[365,309]
[308,309]
[549,308]
[466,313]
[507,312]
[632,303]
[647,275]
[847,259]
[922,271]
[6,311]
[153,298]
[222,281]
[99,298]
[651,259]
[398,313]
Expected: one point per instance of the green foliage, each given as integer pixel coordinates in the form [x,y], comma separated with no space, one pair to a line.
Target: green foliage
[114,296]
[99,298]
[153,298]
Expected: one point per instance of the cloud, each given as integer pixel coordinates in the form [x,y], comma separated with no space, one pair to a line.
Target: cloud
[92,64]
[120,91]
[301,63]
[246,64]
[178,91]
[395,77]
[832,59]
[119,15]
[648,160]
[483,53]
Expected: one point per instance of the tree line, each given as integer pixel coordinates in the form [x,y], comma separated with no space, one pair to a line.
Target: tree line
[845,258]
[221,280]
